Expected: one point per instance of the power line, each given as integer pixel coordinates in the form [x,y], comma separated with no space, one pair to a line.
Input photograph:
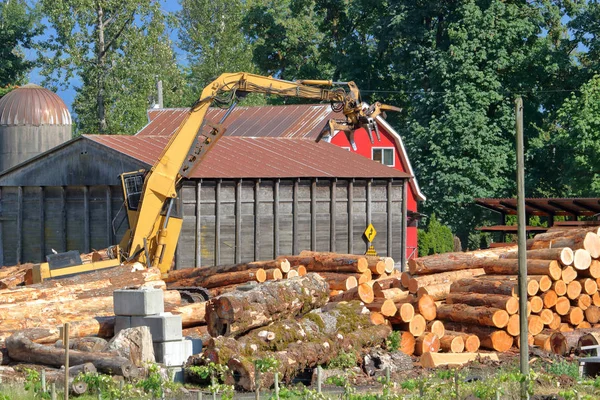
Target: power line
[423,92]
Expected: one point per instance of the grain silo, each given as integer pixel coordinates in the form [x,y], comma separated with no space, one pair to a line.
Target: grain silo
[32,120]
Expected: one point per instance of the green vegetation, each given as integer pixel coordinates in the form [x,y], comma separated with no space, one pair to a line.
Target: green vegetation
[436,239]
[393,341]
[344,360]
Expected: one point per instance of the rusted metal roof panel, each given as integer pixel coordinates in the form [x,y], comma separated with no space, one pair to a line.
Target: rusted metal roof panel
[290,121]
[585,206]
[266,157]
[33,105]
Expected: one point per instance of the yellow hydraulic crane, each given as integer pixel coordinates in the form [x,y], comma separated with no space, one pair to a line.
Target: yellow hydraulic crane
[150,197]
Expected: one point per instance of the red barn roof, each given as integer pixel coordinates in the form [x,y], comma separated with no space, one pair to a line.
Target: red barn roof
[264,157]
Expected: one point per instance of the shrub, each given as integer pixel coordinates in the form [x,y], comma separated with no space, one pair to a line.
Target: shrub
[436,239]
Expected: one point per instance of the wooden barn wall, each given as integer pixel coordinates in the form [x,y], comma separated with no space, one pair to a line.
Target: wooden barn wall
[232,221]
[34,220]
[225,221]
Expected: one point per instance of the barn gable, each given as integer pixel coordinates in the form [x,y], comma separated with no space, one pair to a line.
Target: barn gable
[78,162]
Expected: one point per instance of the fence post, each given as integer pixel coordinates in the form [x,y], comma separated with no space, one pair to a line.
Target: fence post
[43,379]
[256,381]
[53,391]
[319,378]
[66,344]
[276,385]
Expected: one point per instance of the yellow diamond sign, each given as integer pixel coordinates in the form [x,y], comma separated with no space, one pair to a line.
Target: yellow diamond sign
[370,232]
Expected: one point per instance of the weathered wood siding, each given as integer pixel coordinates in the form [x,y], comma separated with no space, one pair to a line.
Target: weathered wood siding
[225,221]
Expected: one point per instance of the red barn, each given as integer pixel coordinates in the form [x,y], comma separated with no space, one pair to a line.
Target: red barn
[306,121]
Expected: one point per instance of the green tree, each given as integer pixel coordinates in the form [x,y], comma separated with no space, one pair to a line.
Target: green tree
[211,34]
[436,239]
[118,49]
[19,24]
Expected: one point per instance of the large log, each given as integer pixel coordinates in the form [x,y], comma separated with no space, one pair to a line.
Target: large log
[449,261]
[593,271]
[437,292]
[575,238]
[424,305]
[509,266]
[508,303]
[385,306]
[471,342]
[490,338]
[299,356]
[393,294]
[222,279]
[582,260]
[22,348]
[568,274]
[407,343]
[435,360]
[183,277]
[427,342]
[362,292]
[416,326]
[339,281]
[444,277]
[452,344]
[481,315]
[487,286]
[238,312]
[334,262]
[564,255]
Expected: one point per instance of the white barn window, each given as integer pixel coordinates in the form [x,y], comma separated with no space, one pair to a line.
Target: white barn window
[384,155]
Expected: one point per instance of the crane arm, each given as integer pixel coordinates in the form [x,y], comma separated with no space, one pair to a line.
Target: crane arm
[195,137]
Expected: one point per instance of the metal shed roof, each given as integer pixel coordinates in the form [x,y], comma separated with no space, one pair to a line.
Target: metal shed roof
[264,157]
[33,105]
[545,206]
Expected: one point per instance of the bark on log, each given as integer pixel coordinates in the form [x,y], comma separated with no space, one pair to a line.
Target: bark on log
[449,261]
[543,341]
[452,344]
[238,312]
[580,238]
[393,294]
[22,348]
[558,344]
[444,277]
[182,277]
[333,262]
[387,283]
[564,255]
[475,285]
[427,342]
[221,279]
[482,315]
[569,341]
[363,292]
[506,266]
[490,338]
[299,356]
[508,303]
[339,281]
[471,342]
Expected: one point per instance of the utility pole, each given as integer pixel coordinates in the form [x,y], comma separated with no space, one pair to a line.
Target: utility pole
[522,242]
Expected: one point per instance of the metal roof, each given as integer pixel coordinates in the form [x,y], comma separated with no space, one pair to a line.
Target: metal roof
[33,105]
[545,206]
[264,157]
[291,121]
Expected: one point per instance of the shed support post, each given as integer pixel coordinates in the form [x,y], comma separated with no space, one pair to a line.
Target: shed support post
[332,216]
[256,219]
[1,227]
[390,221]
[313,215]
[20,225]
[276,218]
[109,231]
[86,219]
[351,216]
[198,246]
[238,221]
[42,226]
[403,228]
[218,222]
[295,246]
[63,213]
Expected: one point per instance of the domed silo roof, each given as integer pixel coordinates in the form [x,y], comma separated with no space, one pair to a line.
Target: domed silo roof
[33,105]
[32,121]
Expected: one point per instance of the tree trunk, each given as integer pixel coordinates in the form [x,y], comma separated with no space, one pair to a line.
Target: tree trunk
[299,356]
[475,285]
[101,62]
[507,266]
[339,281]
[363,292]
[489,338]
[238,312]
[575,238]
[21,348]
[333,262]
[481,315]
[393,294]
[508,303]
[564,255]
[427,342]
[452,344]
[471,342]
[436,292]
[449,261]
[445,277]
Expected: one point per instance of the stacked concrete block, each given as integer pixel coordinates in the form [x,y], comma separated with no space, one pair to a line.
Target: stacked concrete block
[145,307]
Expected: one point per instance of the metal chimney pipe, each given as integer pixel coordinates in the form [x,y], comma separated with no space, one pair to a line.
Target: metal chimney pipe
[159,89]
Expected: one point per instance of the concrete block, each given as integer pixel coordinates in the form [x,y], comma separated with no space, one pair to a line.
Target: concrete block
[174,353]
[122,322]
[196,345]
[164,327]
[146,301]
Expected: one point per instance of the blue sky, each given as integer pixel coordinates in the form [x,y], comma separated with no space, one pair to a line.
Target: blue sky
[69,94]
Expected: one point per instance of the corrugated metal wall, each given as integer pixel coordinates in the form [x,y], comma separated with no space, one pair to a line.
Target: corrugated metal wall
[225,221]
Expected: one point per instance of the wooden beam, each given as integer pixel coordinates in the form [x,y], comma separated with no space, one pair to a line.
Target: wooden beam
[332,208]
[256,220]
[351,216]
[218,222]
[313,215]
[591,207]
[295,249]
[198,247]
[276,218]
[548,211]
[566,209]
[390,222]
[19,225]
